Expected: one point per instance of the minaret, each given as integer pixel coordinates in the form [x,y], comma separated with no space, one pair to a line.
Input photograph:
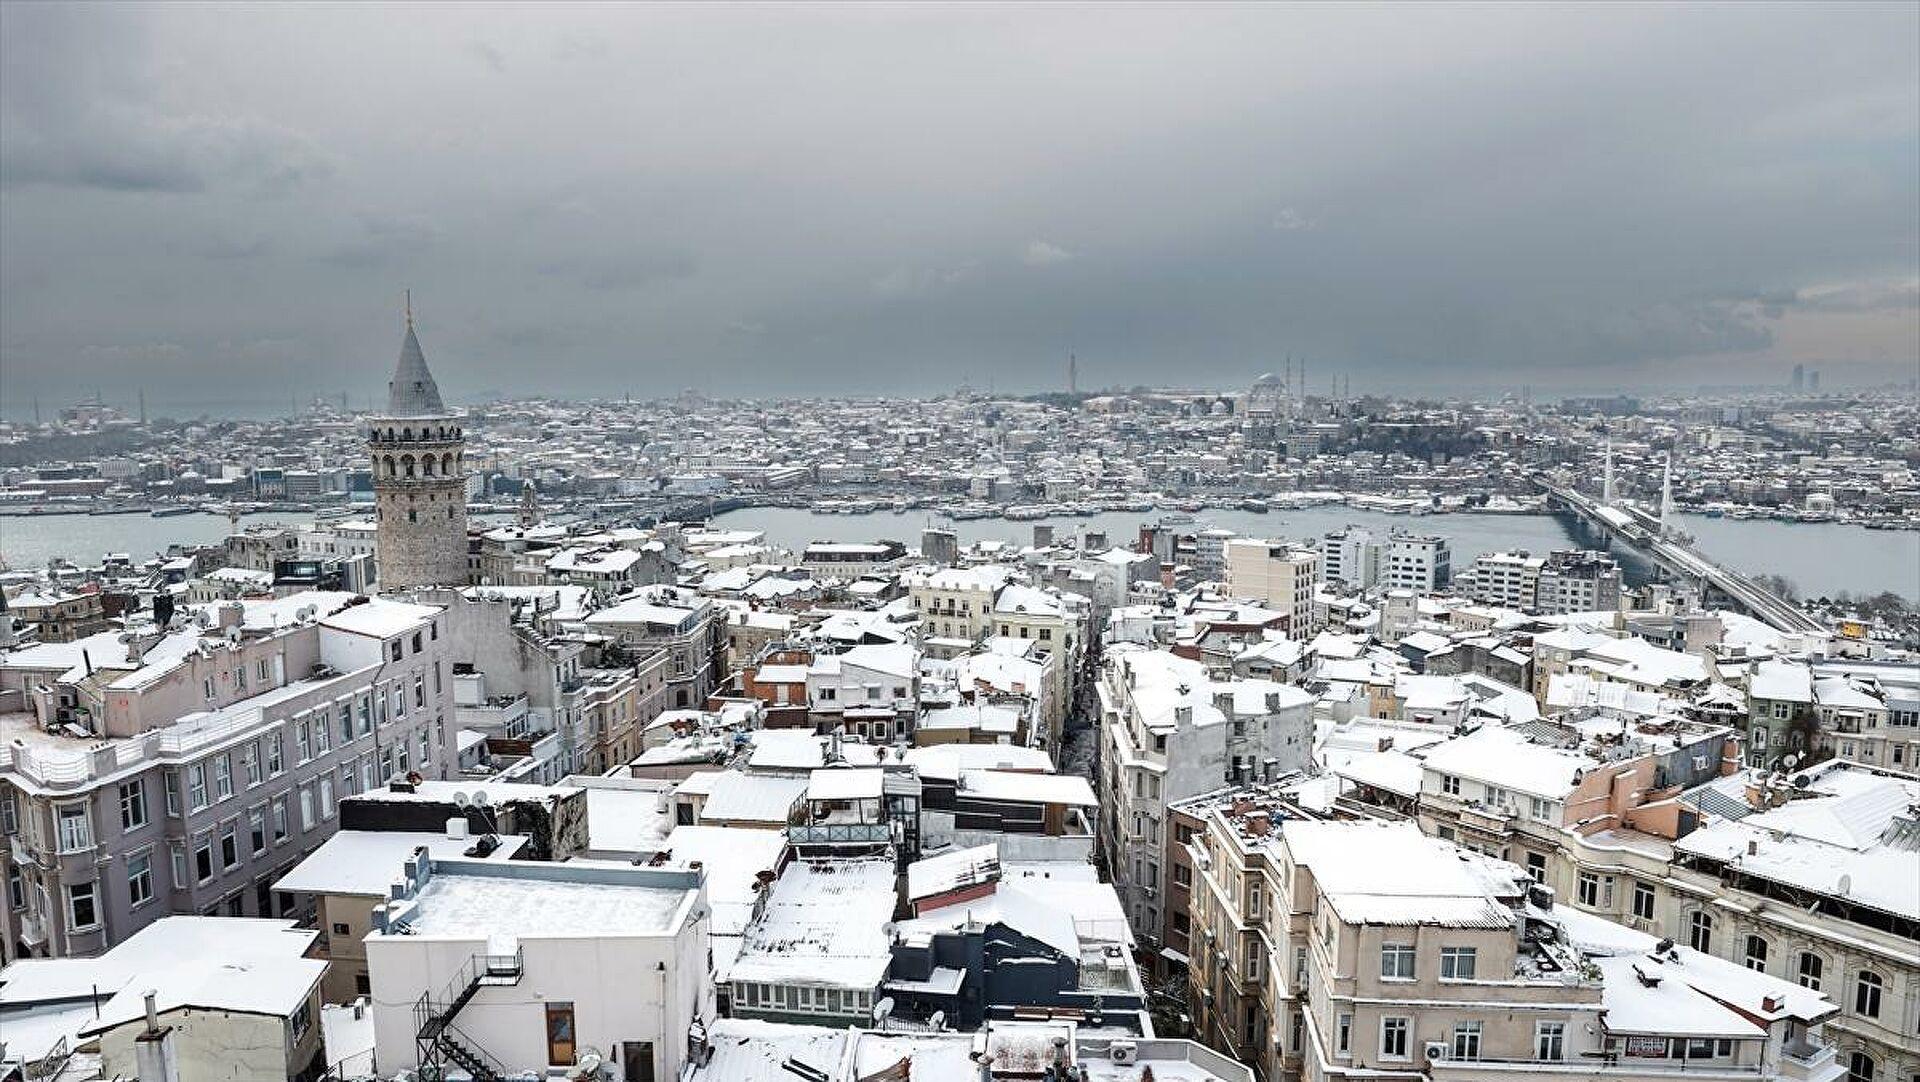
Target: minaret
[419,479]
[1606,478]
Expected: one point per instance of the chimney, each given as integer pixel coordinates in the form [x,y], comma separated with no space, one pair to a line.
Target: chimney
[1258,823]
[1183,715]
[1060,1052]
[155,1058]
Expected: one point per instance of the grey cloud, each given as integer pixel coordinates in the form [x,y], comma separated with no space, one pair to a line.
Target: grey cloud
[823,201]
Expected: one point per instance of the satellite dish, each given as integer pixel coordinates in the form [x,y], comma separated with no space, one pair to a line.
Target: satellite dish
[461,799]
[888,929]
[587,1065]
[481,800]
[883,1008]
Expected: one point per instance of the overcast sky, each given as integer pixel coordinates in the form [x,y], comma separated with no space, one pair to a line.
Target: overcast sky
[223,204]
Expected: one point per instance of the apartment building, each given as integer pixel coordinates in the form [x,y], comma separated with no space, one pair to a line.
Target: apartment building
[1816,881]
[957,602]
[185,769]
[522,966]
[1388,954]
[1508,579]
[59,616]
[1170,731]
[1279,576]
[690,628]
[1350,556]
[1577,581]
[1418,562]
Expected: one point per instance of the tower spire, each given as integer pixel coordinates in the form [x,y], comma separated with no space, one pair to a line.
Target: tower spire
[1606,479]
[407,301]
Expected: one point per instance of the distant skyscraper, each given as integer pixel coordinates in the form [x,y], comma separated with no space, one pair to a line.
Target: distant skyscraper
[1800,377]
[1813,380]
[419,479]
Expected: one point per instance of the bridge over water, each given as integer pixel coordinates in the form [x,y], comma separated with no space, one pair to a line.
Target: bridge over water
[1641,530]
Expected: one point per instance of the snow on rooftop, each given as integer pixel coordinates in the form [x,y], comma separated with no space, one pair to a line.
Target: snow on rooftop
[822,925]
[752,798]
[367,862]
[845,783]
[1504,758]
[158,945]
[267,986]
[1389,873]
[381,619]
[460,905]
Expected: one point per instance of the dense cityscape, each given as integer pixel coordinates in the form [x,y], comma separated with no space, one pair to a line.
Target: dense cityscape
[959,543]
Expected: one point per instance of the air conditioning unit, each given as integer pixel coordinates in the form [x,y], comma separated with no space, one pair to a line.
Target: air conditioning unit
[1436,1051]
[1122,1052]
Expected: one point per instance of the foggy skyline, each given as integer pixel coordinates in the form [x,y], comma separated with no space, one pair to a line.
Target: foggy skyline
[224,204]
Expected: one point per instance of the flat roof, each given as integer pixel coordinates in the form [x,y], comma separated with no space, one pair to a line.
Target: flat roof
[366,862]
[457,904]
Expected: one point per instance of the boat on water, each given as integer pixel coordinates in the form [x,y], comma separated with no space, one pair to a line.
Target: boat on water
[1027,512]
[173,511]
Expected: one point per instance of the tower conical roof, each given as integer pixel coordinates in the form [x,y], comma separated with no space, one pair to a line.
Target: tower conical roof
[412,392]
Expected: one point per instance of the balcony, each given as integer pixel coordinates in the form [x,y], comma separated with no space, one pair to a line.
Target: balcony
[1804,1061]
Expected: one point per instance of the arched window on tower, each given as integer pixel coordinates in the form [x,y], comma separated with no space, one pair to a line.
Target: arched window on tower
[387,462]
[406,465]
[446,464]
[426,465]
[406,433]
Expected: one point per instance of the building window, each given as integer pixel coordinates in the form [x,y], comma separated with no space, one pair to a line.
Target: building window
[250,763]
[1343,1034]
[197,786]
[1450,784]
[1396,961]
[229,849]
[222,777]
[1393,1038]
[1811,966]
[1643,901]
[76,827]
[1700,932]
[1550,1041]
[133,804]
[326,798]
[1756,953]
[1866,994]
[275,757]
[1466,1040]
[280,820]
[83,912]
[306,809]
[1861,1068]
[181,878]
[1457,963]
[257,829]
[140,879]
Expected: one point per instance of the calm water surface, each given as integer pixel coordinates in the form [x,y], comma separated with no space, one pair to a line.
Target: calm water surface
[1820,558]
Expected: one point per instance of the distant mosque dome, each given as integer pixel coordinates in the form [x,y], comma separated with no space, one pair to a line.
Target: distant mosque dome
[1267,379]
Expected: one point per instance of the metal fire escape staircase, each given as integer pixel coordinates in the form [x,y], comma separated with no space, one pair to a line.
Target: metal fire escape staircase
[440,1044]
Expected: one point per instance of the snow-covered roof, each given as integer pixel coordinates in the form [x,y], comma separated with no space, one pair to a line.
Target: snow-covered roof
[953,870]
[737,797]
[1375,872]
[366,862]
[1781,681]
[269,986]
[1502,757]
[157,946]
[822,925]
[1835,840]
[467,906]
[381,619]
[1017,788]
[845,783]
